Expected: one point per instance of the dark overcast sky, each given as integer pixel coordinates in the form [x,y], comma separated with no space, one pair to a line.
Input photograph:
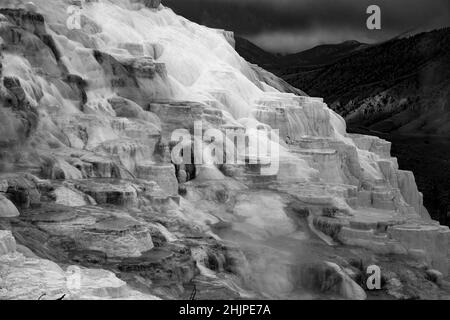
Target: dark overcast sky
[294,25]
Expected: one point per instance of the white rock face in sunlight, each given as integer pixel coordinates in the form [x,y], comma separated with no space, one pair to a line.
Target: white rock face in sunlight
[7,208]
[7,243]
[89,99]
[33,279]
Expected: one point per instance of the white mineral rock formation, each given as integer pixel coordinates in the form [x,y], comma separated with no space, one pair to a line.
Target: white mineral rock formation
[7,243]
[7,208]
[348,289]
[32,279]
[89,109]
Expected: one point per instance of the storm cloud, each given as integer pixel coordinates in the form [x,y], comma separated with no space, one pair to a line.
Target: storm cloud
[293,25]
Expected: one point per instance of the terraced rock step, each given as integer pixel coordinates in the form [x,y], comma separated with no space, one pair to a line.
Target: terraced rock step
[93,228]
[162,174]
[183,114]
[427,241]
[33,279]
[86,177]
[111,192]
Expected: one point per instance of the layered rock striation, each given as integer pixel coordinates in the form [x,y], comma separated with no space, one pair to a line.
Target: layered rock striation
[87,177]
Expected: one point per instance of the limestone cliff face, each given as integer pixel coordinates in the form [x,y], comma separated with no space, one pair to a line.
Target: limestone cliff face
[87,117]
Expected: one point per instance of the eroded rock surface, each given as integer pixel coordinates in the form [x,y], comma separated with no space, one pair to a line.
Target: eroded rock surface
[7,208]
[38,279]
[87,177]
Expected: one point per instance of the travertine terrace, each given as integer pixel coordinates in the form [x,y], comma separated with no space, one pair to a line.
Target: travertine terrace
[87,183]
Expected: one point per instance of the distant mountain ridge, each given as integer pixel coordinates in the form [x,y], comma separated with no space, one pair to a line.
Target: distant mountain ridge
[401,85]
[254,54]
[319,55]
[398,90]
[324,54]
